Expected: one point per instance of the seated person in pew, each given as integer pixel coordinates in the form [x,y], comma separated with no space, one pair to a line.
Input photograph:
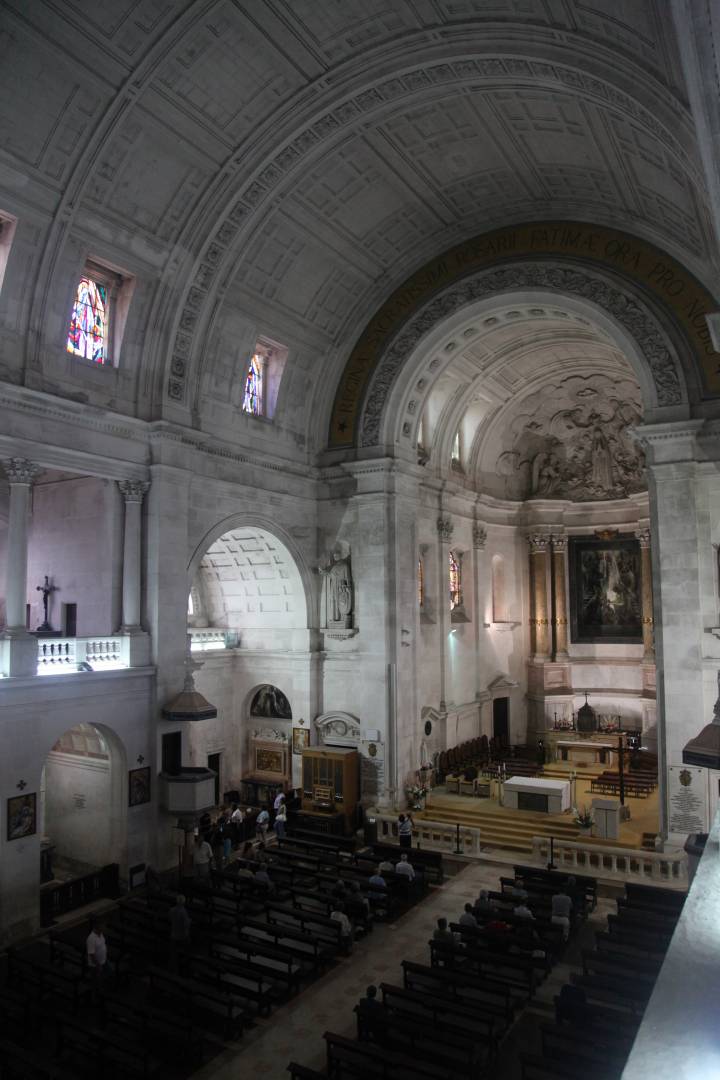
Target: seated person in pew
[339,890]
[442,932]
[467,918]
[262,878]
[562,907]
[483,904]
[518,891]
[347,934]
[244,873]
[357,906]
[572,1005]
[377,887]
[497,935]
[386,867]
[405,868]
[522,911]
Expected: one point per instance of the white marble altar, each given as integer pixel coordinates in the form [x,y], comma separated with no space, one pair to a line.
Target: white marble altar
[574,750]
[557,792]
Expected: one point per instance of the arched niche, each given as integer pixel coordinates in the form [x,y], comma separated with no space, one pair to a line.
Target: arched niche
[84,798]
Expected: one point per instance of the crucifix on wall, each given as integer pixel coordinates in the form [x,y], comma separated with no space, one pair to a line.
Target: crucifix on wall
[47,590]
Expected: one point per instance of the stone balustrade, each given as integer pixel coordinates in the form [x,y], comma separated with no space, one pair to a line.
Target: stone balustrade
[57,656]
[666,868]
[433,835]
[201,640]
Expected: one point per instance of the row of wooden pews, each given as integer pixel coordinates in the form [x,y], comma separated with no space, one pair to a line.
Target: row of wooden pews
[599,1011]
[165,1008]
[446,1019]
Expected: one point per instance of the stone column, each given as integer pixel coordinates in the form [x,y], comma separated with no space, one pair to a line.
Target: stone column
[539,622]
[479,542]
[647,596]
[20,648]
[560,620]
[445,533]
[133,492]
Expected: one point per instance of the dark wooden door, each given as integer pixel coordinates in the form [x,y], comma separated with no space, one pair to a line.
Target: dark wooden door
[501,729]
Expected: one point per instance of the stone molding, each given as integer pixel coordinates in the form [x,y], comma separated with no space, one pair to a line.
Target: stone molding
[479,537]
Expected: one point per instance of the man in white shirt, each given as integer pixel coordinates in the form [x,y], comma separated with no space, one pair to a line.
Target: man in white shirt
[405,869]
[561,910]
[346,930]
[467,918]
[202,856]
[96,948]
[262,824]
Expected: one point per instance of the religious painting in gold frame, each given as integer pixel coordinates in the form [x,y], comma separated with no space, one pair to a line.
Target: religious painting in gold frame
[268,760]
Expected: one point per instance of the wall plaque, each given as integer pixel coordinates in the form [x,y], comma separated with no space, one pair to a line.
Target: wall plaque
[687,799]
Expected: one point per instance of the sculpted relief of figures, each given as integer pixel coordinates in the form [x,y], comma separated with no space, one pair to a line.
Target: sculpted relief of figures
[581,450]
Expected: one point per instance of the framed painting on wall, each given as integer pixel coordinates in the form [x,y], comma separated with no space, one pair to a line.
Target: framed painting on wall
[139,786]
[605,590]
[300,739]
[21,816]
[268,760]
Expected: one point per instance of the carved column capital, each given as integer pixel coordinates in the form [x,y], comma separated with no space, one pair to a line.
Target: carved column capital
[559,544]
[20,471]
[538,543]
[445,528]
[133,490]
[643,536]
[479,536]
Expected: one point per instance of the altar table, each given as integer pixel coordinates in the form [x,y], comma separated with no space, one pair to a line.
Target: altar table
[536,793]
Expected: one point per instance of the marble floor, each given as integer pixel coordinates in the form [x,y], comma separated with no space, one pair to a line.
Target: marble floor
[294,1031]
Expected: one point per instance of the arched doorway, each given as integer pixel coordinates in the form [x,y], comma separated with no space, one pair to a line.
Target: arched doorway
[83,801]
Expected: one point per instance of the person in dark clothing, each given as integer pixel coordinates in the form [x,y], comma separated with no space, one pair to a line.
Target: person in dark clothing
[372,1018]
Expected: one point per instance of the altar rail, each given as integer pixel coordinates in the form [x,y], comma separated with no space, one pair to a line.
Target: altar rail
[668,868]
[57,655]
[433,835]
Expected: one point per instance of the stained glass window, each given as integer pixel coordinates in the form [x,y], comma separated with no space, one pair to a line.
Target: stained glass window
[252,400]
[88,332]
[454,574]
[421,583]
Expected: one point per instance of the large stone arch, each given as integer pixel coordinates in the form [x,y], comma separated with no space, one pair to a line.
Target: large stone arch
[280,535]
[649,296]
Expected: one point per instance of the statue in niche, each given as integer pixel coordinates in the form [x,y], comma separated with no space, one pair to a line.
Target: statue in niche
[545,473]
[601,477]
[425,761]
[337,591]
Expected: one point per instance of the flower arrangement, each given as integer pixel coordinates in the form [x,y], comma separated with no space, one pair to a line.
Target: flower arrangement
[416,794]
[583,817]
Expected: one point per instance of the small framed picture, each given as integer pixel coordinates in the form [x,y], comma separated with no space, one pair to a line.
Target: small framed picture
[300,739]
[21,816]
[139,786]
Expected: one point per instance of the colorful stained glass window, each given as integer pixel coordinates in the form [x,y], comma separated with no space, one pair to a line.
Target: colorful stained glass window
[454,574]
[421,583]
[252,400]
[88,332]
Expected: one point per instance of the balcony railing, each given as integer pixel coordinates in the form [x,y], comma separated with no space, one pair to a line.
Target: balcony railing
[58,656]
[205,639]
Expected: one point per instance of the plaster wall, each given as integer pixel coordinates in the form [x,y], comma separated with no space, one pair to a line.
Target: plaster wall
[78,802]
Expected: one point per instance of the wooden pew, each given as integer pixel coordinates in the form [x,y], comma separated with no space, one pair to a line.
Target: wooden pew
[621,991]
[236,978]
[469,989]
[429,1009]
[300,1072]
[170,1033]
[572,1047]
[517,971]
[207,1000]
[306,947]
[430,862]
[654,896]
[322,927]
[266,960]
[457,1050]
[347,1058]
[47,978]
[108,1050]
[559,877]
[17,1063]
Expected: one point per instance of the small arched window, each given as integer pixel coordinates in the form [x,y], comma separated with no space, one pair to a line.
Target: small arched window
[253,402]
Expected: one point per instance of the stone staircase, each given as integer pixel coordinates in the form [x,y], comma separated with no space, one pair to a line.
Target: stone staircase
[512,830]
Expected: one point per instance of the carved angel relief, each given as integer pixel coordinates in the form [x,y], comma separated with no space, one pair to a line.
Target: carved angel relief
[583,452]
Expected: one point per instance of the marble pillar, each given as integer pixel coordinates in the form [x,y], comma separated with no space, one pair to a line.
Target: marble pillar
[19,654]
[539,621]
[560,613]
[133,492]
[647,597]
[445,533]
[479,542]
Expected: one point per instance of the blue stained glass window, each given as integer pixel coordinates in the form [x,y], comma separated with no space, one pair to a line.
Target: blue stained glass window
[87,334]
[252,399]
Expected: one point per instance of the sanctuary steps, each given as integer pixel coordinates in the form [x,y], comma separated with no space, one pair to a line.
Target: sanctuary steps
[510,829]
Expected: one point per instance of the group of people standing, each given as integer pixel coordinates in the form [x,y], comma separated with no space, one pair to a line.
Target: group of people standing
[216,840]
